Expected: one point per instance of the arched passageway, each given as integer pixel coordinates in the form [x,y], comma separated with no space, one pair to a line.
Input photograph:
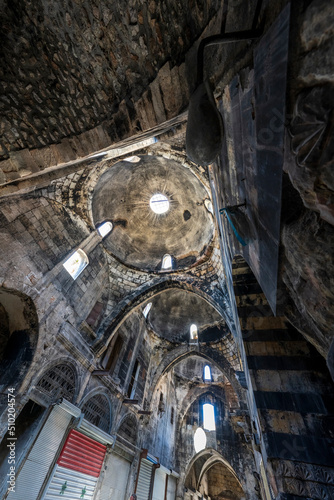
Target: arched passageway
[18,337]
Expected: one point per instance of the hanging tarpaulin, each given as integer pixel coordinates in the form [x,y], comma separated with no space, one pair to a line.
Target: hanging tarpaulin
[78,469]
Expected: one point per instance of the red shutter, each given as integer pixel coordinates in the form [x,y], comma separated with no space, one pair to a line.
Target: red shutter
[82,454]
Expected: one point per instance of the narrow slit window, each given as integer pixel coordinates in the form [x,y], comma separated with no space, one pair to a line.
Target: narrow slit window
[147,309]
[166,262]
[207,373]
[172,416]
[76,263]
[112,355]
[105,229]
[193,332]
[133,381]
[209,417]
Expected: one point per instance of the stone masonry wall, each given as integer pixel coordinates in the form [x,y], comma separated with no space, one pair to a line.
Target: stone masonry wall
[79,76]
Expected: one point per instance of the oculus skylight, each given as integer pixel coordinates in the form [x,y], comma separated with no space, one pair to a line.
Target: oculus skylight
[159,203]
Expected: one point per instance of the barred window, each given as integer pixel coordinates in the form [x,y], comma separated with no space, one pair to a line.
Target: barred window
[58,382]
[98,412]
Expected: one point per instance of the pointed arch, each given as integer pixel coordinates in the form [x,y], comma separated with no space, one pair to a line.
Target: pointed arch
[97,410]
[218,300]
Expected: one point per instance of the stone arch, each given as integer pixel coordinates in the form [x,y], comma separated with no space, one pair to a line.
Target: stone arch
[206,460]
[216,358]
[149,290]
[18,336]
[96,407]
[198,392]
[128,428]
[58,380]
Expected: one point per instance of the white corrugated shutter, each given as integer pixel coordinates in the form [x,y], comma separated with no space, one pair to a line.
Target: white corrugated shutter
[69,484]
[144,479]
[171,488]
[115,478]
[36,467]
[159,485]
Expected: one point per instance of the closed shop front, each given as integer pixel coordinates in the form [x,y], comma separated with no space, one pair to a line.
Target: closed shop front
[171,488]
[144,479]
[78,468]
[159,487]
[43,452]
[115,478]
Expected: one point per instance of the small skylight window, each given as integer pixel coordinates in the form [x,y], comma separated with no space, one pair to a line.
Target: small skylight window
[207,373]
[132,159]
[159,203]
[208,205]
[199,440]
[105,229]
[146,309]
[166,262]
[209,417]
[193,332]
[76,263]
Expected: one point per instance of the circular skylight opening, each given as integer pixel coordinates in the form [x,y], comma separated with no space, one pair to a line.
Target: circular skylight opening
[159,203]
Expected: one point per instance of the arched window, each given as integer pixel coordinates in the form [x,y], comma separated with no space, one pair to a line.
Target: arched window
[97,412]
[58,382]
[209,417]
[128,429]
[147,309]
[208,205]
[132,159]
[193,332]
[199,440]
[76,263]
[166,262]
[105,229]
[207,373]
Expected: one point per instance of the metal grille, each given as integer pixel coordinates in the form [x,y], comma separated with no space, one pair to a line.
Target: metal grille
[58,382]
[97,412]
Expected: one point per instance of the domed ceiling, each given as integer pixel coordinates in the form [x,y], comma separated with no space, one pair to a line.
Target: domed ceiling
[174,311]
[141,237]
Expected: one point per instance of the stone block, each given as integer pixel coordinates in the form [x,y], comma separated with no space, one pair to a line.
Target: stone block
[63,152]
[43,157]
[167,90]
[158,105]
